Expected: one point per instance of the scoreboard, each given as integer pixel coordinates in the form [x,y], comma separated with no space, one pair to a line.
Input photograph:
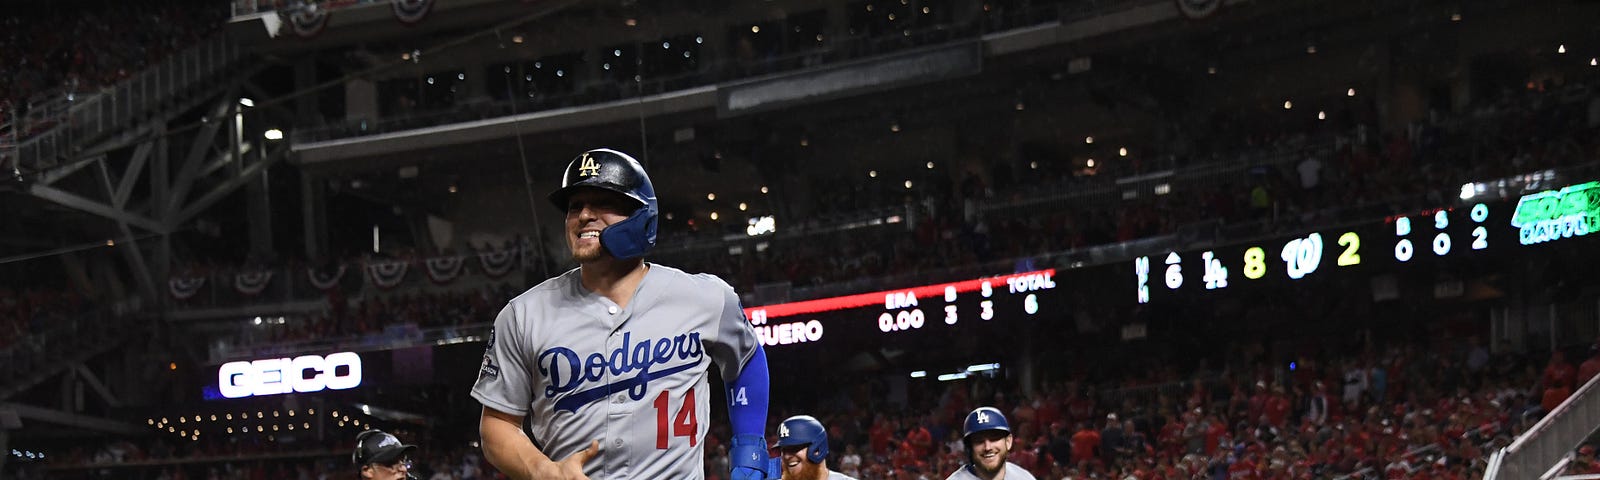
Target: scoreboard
[1460,233]
[1423,241]
[945,308]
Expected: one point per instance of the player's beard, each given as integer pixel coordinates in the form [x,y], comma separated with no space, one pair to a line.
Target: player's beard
[586,253]
[803,471]
[991,466]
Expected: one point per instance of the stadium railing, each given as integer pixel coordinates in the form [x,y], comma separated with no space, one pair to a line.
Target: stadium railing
[68,119]
[1541,451]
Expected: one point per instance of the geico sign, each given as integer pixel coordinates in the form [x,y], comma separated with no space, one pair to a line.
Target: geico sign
[274,376]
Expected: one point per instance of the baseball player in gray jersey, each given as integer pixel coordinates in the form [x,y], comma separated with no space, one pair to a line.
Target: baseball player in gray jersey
[987,436]
[608,362]
[803,450]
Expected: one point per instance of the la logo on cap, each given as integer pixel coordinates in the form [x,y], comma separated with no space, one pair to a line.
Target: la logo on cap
[783,430]
[588,167]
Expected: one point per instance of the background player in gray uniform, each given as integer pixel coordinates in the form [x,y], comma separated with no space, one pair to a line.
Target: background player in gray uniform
[803,450]
[609,361]
[987,436]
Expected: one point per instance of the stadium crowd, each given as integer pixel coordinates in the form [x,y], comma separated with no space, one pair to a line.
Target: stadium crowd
[79,46]
[33,311]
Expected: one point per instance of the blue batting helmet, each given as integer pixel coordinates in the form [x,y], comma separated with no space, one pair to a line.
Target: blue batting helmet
[984,419]
[612,170]
[805,430]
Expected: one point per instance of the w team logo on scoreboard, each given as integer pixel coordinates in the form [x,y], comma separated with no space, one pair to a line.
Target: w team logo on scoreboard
[410,12]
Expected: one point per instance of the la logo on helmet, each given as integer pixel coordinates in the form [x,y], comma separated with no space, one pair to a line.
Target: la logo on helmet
[589,167]
[783,430]
[983,417]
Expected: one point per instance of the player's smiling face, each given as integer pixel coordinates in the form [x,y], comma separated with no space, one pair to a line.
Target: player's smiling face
[590,210]
[990,450]
[795,465]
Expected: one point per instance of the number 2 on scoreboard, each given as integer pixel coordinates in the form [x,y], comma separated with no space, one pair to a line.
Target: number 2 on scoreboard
[685,425]
[1352,244]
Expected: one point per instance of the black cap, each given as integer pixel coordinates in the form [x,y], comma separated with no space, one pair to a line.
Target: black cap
[375,446]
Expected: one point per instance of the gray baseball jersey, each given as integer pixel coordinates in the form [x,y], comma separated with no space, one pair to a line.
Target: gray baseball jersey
[832,475]
[1013,472]
[634,378]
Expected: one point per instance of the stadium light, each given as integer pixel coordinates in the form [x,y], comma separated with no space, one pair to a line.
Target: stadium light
[1350,92]
[983,367]
[919,374]
[273,134]
[711,197]
[953,376]
[714,215]
[1561,48]
[247,102]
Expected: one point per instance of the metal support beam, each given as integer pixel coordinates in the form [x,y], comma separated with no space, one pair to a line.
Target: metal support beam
[224,160]
[74,420]
[141,269]
[130,177]
[72,200]
[189,171]
[56,174]
[205,201]
[98,386]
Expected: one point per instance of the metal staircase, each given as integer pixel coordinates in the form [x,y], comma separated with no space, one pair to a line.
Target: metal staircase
[1543,449]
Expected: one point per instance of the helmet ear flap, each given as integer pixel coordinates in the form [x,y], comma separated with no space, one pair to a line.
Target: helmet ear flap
[632,237]
[819,450]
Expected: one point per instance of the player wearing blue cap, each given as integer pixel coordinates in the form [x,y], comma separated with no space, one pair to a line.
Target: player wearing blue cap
[608,362]
[988,439]
[803,450]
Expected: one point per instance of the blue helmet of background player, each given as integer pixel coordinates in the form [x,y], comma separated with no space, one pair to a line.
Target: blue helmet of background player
[612,170]
[805,430]
[983,419]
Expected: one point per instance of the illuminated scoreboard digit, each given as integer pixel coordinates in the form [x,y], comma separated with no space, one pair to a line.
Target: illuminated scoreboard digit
[906,311]
[1440,234]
